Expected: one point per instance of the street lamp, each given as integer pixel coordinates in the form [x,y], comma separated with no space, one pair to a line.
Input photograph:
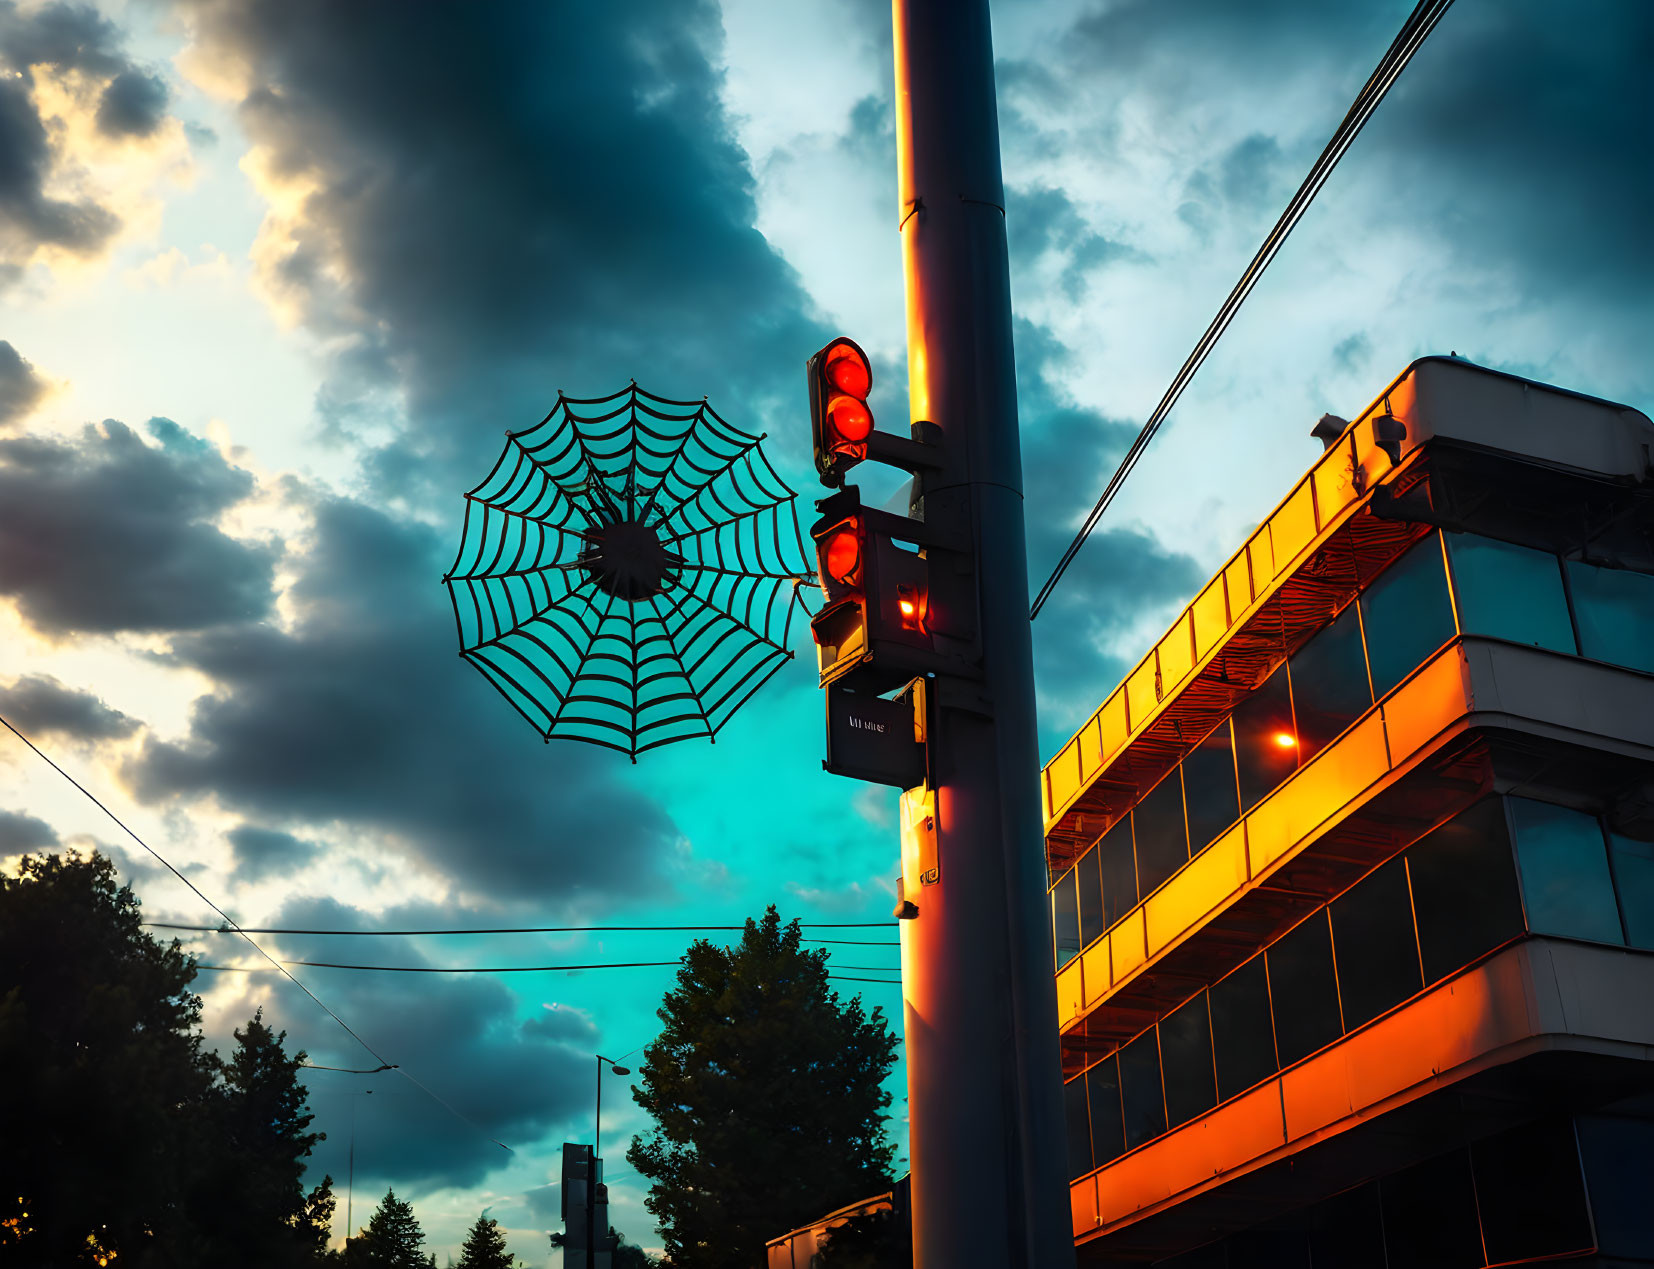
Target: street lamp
[593,1234]
[350,1184]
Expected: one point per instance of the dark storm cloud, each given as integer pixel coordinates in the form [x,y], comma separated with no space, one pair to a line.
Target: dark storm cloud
[362,713]
[265,852]
[65,38]
[20,833]
[458,1035]
[21,387]
[523,197]
[133,105]
[1524,142]
[1043,219]
[1120,575]
[108,533]
[39,706]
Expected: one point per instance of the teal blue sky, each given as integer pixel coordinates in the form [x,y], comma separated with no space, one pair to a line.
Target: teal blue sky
[276,275]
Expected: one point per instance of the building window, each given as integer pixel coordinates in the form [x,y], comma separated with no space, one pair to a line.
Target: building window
[1209,788]
[1372,932]
[1530,1193]
[1618,1154]
[1108,1133]
[1633,863]
[1303,990]
[1088,880]
[1407,614]
[1563,860]
[1079,1127]
[1065,918]
[1464,890]
[1266,744]
[1186,1060]
[1510,592]
[1242,1037]
[1329,683]
[1119,869]
[1430,1215]
[1162,845]
[1614,611]
[1140,1093]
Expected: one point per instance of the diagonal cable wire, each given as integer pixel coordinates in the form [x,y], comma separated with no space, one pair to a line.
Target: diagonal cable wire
[533,929]
[1423,19]
[251,942]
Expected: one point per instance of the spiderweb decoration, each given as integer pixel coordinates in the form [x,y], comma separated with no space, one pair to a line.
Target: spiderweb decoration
[628,571]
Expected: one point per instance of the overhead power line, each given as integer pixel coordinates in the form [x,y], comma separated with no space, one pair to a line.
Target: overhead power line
[233,928]
[486,969]
[1423,19]
[536,929]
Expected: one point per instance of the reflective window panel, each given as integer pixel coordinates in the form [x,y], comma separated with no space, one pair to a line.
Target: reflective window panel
[1464,889]
[1266,745]
[1079,1127]
[1372,934]
[1407,614]
[1242,1036]
[1633,862]
[1329,683]
[1186,1062]
[1088,878]
[1619,1172]
[1347,1231]
[1108,1134]
[1157,822]
[1614,610]
[1564,865]
[1430,1215]
[1303,990]
[1511,592]
[1140,1093]
[1065,918]
[1209,788]
[1119,869]
[1530,1192]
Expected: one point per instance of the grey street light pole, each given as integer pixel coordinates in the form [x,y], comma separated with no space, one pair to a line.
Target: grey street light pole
[350,1183]
[979,1000]
[592,1233]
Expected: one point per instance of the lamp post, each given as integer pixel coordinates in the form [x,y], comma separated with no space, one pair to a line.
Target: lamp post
[592,1233]
[350,1183]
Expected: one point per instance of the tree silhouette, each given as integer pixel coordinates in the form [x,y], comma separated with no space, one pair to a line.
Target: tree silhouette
[766,1093]
[485,1247]
[392,1239]
[256,1199]
[106,1087]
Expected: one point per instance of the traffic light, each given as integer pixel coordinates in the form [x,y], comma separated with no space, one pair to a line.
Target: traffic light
[874,629]
[841,421]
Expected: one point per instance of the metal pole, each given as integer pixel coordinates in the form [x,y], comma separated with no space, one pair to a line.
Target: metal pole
[591,1184]
[984,1077]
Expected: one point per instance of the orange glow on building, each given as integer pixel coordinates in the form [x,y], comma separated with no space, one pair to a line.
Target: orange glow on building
[1286,740]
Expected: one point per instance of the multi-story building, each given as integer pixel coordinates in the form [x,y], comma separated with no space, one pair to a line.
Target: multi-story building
[1353,876]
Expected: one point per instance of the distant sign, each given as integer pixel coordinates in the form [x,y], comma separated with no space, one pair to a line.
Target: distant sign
[870,738]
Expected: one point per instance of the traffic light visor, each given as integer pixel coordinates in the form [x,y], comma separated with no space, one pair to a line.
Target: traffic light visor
[847,370]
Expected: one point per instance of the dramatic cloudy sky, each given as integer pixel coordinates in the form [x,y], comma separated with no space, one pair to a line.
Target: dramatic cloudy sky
[275,275]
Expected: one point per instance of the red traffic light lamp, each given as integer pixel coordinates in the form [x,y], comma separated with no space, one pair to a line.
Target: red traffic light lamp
[840,377]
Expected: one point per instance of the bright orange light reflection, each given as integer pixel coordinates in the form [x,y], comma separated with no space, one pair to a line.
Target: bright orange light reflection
[1286,740]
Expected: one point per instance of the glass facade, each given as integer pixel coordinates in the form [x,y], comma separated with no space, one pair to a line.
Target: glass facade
[1403,616]
[1554,1188]
[1453,896]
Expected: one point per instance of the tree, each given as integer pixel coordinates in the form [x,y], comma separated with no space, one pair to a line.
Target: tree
[106,1086]
[766,1091]
[485,1247]
[256,1199]
[392,1239]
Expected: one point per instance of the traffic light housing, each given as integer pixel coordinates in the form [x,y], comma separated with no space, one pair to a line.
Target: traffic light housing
[874,630]
[841,421]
